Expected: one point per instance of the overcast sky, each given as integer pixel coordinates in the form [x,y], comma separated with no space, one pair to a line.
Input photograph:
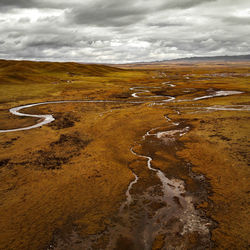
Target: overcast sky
[118,31]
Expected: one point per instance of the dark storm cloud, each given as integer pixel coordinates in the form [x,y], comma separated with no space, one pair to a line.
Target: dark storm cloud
[122,13]
[65,4]
[49,43]
[19,3]
[109,17]
[32,4]
[122,31]
[173,4]
[108,13]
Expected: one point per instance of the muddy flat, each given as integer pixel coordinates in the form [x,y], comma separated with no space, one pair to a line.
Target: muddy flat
[128,157]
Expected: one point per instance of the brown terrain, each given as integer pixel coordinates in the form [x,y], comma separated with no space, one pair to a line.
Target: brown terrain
[141,157]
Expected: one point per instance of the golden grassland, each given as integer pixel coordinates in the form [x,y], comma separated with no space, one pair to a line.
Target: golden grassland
[73,173]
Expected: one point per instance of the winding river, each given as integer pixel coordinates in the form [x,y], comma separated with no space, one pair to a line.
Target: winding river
[178,204]
[46,119]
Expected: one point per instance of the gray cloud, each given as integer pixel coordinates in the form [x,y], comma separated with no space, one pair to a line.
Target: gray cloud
[233,20]
[61,4]
[109,13]
[8,4]
[173,4]
[19,3]
[109,17]
[122,31]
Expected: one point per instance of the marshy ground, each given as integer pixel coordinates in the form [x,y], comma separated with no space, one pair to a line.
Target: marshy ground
[149,157]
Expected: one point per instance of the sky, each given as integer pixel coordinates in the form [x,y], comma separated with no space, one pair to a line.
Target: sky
[122,31]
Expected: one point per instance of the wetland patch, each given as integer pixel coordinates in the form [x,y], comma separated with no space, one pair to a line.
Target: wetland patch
[59,152]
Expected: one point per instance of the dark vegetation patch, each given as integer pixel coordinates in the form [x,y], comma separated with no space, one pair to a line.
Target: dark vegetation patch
[160,92]
[7,144]
[123,95]
[4,162]
[124,243]
[155,206]
[222,137]
[60,152]
[175,92]
[64,120]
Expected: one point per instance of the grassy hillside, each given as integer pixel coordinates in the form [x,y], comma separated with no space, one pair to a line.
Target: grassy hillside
[52,79]
[27,71]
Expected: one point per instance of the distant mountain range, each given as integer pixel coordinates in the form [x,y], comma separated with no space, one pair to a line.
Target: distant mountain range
[215,58]
[240,58]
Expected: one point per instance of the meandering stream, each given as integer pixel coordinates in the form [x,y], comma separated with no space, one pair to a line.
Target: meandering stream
[177,213]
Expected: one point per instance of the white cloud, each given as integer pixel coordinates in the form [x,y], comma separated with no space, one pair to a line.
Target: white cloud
[122,31]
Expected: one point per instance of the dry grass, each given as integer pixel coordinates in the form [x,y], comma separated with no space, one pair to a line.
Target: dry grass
[73,173]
